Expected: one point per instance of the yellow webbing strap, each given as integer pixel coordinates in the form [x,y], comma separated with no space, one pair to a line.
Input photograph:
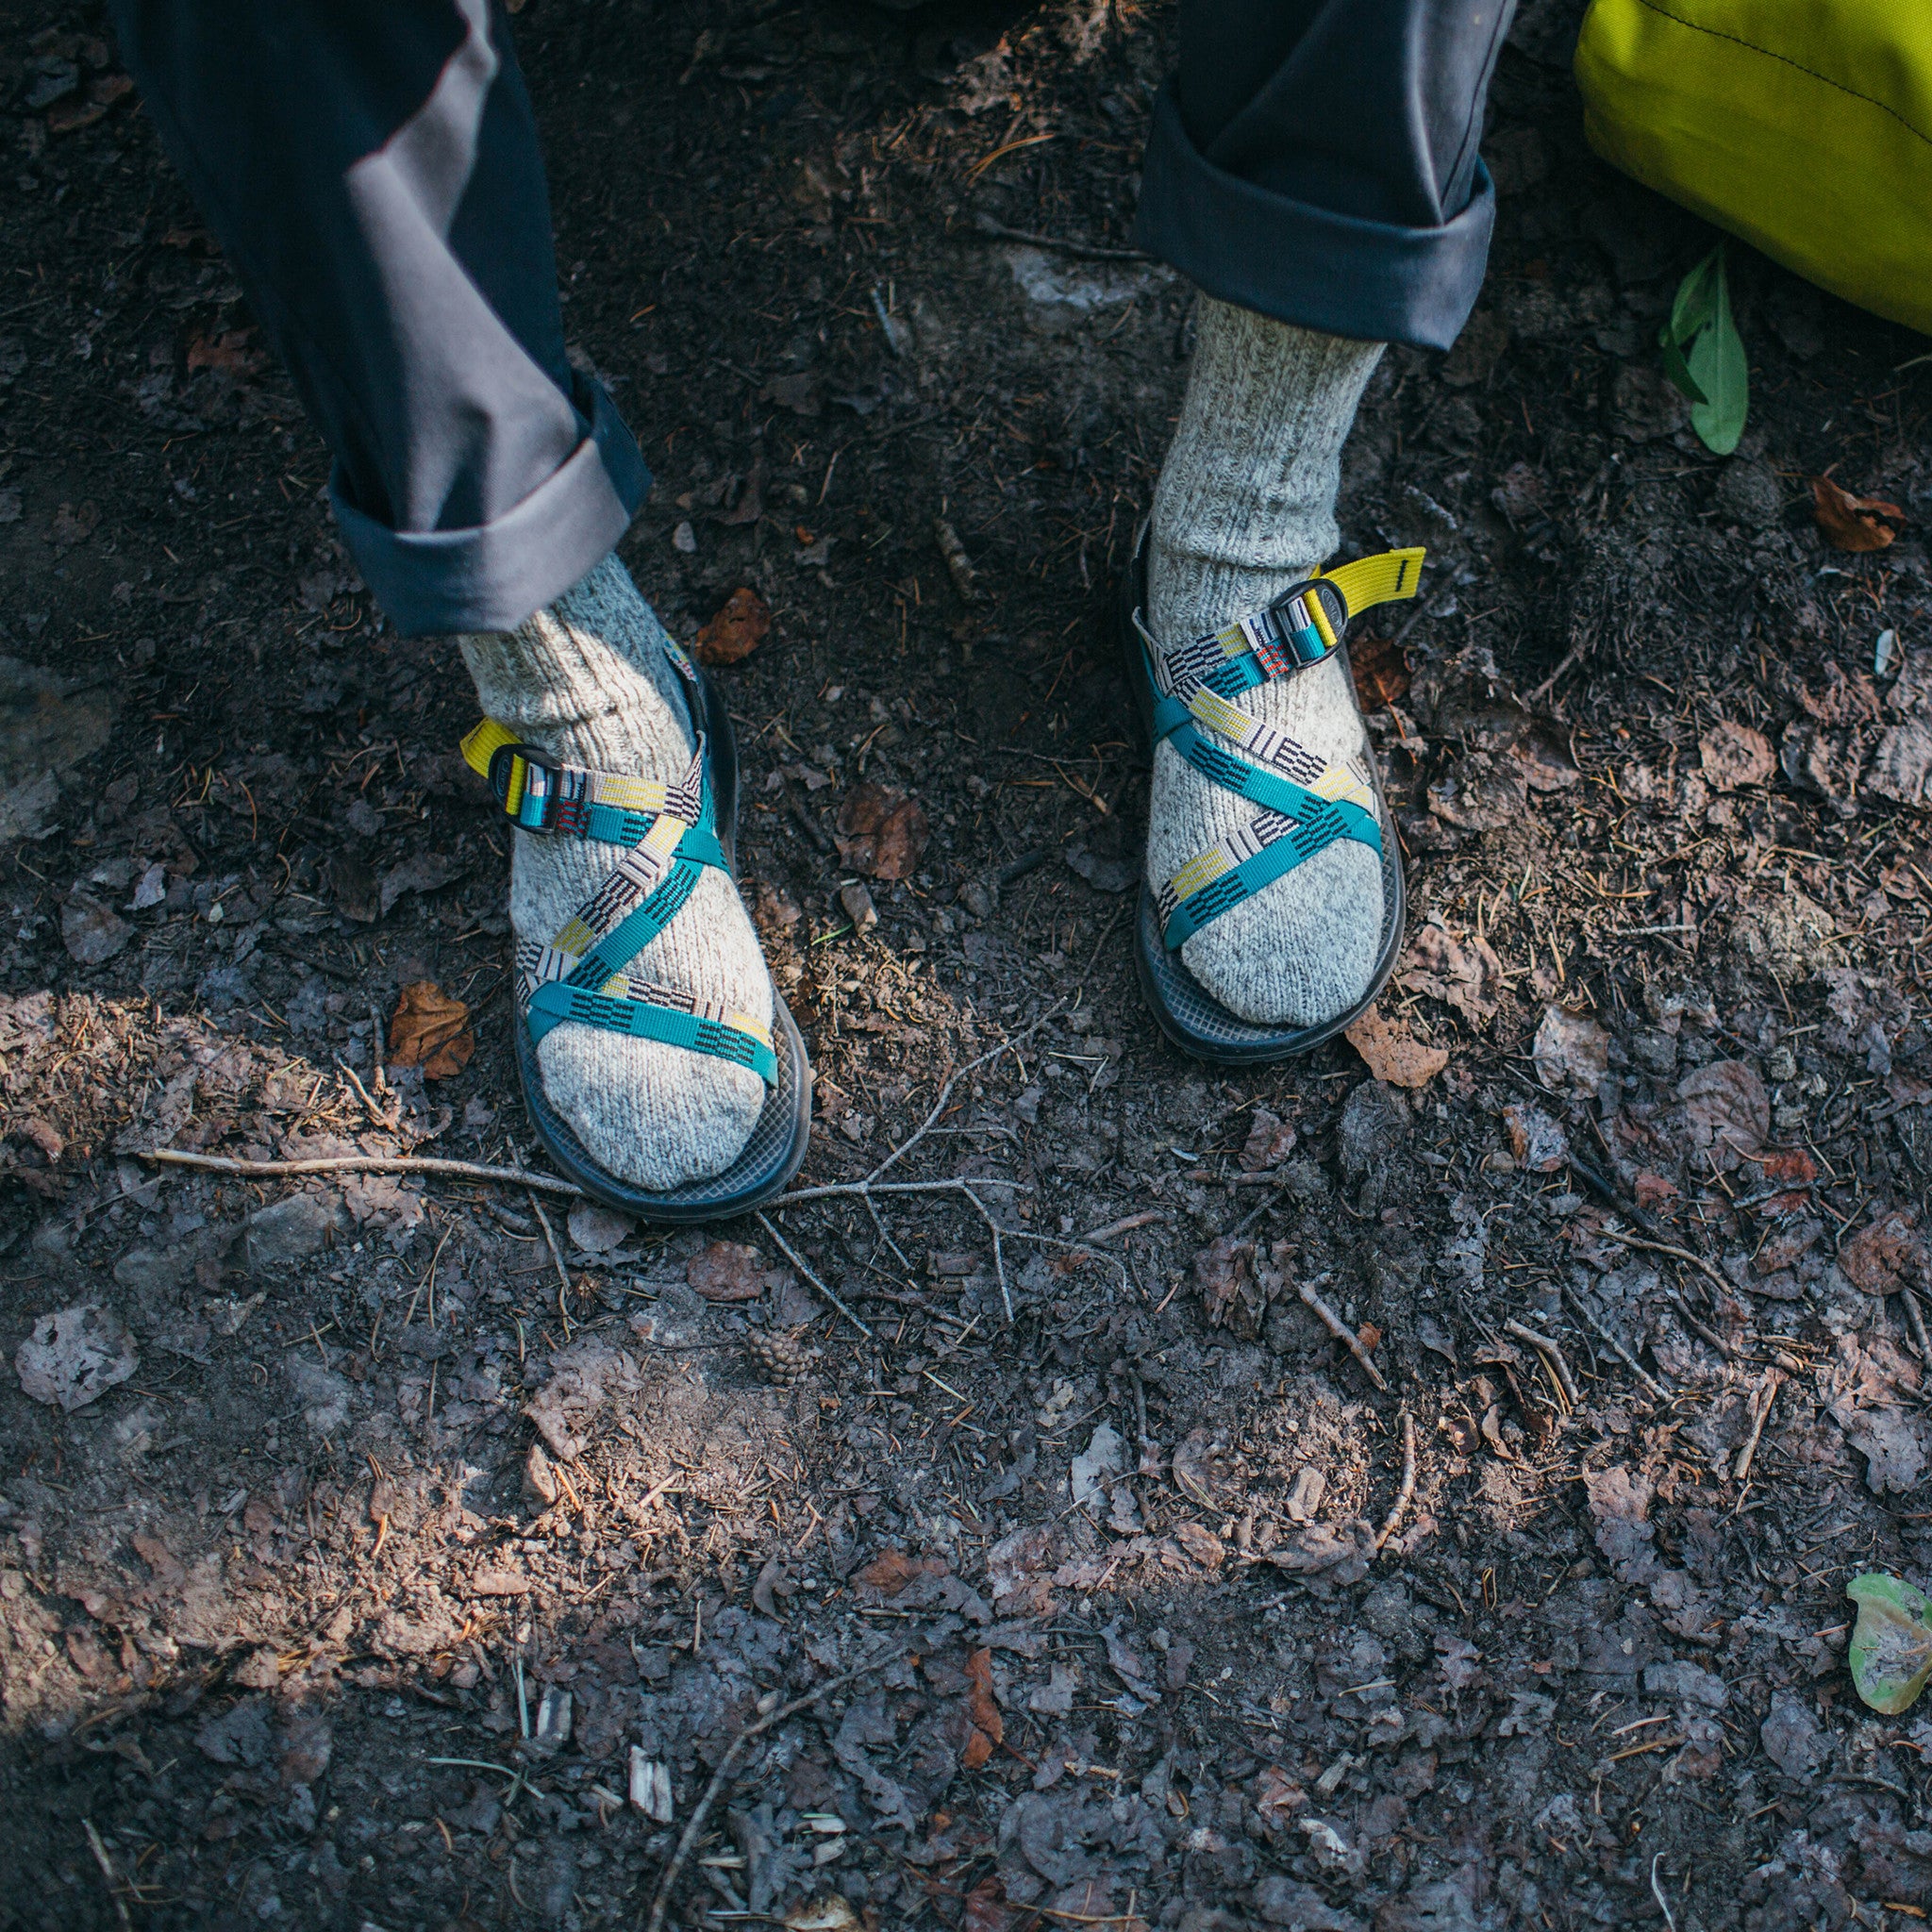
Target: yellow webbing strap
[1385,579]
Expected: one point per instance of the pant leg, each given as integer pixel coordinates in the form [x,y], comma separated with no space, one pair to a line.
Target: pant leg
[371,169]
[1316,160]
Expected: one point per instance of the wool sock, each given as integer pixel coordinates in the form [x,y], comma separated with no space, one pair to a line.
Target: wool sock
[587,680]
[1245,505]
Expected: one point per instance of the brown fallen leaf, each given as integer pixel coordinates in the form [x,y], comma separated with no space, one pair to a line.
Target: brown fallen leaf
[1269,1143]
[102,92]
[1233,1295]
[1380,671]
[988,1728]
[890,1571]
[1392,1053]
[1200,1544]
[1734,755]
[736,631]
[430,1030]
[882,833]
[1464,973]
[727,1272]
[229,352]
[1853,523]
[1888,1256]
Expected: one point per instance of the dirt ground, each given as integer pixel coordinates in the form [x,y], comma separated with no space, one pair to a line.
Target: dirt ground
[392,1571]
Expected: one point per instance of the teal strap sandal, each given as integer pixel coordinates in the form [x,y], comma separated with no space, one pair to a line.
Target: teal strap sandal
[670,833]
[1188,698]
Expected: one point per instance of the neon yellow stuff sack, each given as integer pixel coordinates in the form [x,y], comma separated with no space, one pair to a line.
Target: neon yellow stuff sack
[1803,126]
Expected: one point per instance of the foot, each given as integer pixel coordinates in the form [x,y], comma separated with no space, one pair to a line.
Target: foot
[1244,509]
[587,680]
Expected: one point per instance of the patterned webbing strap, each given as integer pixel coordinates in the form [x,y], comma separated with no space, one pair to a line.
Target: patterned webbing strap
[670,836]
[1307,803]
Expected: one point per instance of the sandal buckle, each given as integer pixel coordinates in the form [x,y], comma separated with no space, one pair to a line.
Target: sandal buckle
[541,789]
[1295,616]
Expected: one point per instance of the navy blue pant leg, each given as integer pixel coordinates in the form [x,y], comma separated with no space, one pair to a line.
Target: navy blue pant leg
[371,169]
[1316,160]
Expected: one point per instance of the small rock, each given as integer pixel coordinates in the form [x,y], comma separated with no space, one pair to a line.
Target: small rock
[1748,493]
[857,899]
[1687,1683]
[293,1228]
[91,933]
[75,1357]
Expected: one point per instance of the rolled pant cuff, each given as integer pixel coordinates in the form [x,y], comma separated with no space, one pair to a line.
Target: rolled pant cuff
[493,575]
[1375,281]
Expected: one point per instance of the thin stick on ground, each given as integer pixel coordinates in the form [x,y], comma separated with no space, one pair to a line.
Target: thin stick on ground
[798,1262]
[363,1163]
[1697,1262]
[1915,1321]
[1406,1492]
[1616,1347]
[557,1255]
[1552,1354]
[689,1837]
[108,1872]
[1342,1333]
[1657,1891]
[999,1259]
[1774,1381]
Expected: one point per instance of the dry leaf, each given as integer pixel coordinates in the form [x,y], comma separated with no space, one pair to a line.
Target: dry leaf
[229,353]
[1232,1293]
[1572,1052]
[736,631]
[1380,671]
[1392,1053]
[1727,1110]
[430,1030]
[1853,523]
[1193,1469]
[1464,973]
[727,1272]
[1886,1257]
[890,1571]
[1734,755]
[988,1726]
[882,833]
[1200,1543]
[1269,1143]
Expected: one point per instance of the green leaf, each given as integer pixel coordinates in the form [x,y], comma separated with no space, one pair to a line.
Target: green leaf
[1717,365]
[1890,1652]
[1678,372]
[1696,300]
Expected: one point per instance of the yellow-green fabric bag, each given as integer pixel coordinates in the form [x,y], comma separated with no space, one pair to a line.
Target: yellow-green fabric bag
[1803,126]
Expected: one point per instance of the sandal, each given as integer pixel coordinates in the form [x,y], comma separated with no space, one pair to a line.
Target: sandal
[1306,804]
[673,831]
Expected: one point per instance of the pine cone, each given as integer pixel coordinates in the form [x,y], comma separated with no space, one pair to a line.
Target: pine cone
[784,1356]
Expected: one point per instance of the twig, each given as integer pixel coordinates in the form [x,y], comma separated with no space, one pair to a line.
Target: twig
[1407,1491]
[101,1858]
[1146,1218]
[798,1262]
[428,1277]
[932,1119]
[1774,1381]
[1699,1328]
[999,1259]
[1081,251]
[690,1835]
[860,1191]
[1616,1347]
[1342,1333]
[557,1255]
[361,1163]
[1915,1321]
[1553,1355]
[1657,1891]
[1697,1262]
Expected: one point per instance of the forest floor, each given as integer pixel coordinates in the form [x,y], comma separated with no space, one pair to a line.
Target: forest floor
[399,1568]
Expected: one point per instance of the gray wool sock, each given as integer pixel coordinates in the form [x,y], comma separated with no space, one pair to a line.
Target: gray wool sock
[1244,507]
[586,680]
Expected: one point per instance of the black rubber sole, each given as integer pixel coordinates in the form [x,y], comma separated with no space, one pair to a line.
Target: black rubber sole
[1185,1010]
[776,1148]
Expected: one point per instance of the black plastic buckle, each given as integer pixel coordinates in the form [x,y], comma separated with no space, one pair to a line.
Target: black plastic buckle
[1304,642]
[542,776]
